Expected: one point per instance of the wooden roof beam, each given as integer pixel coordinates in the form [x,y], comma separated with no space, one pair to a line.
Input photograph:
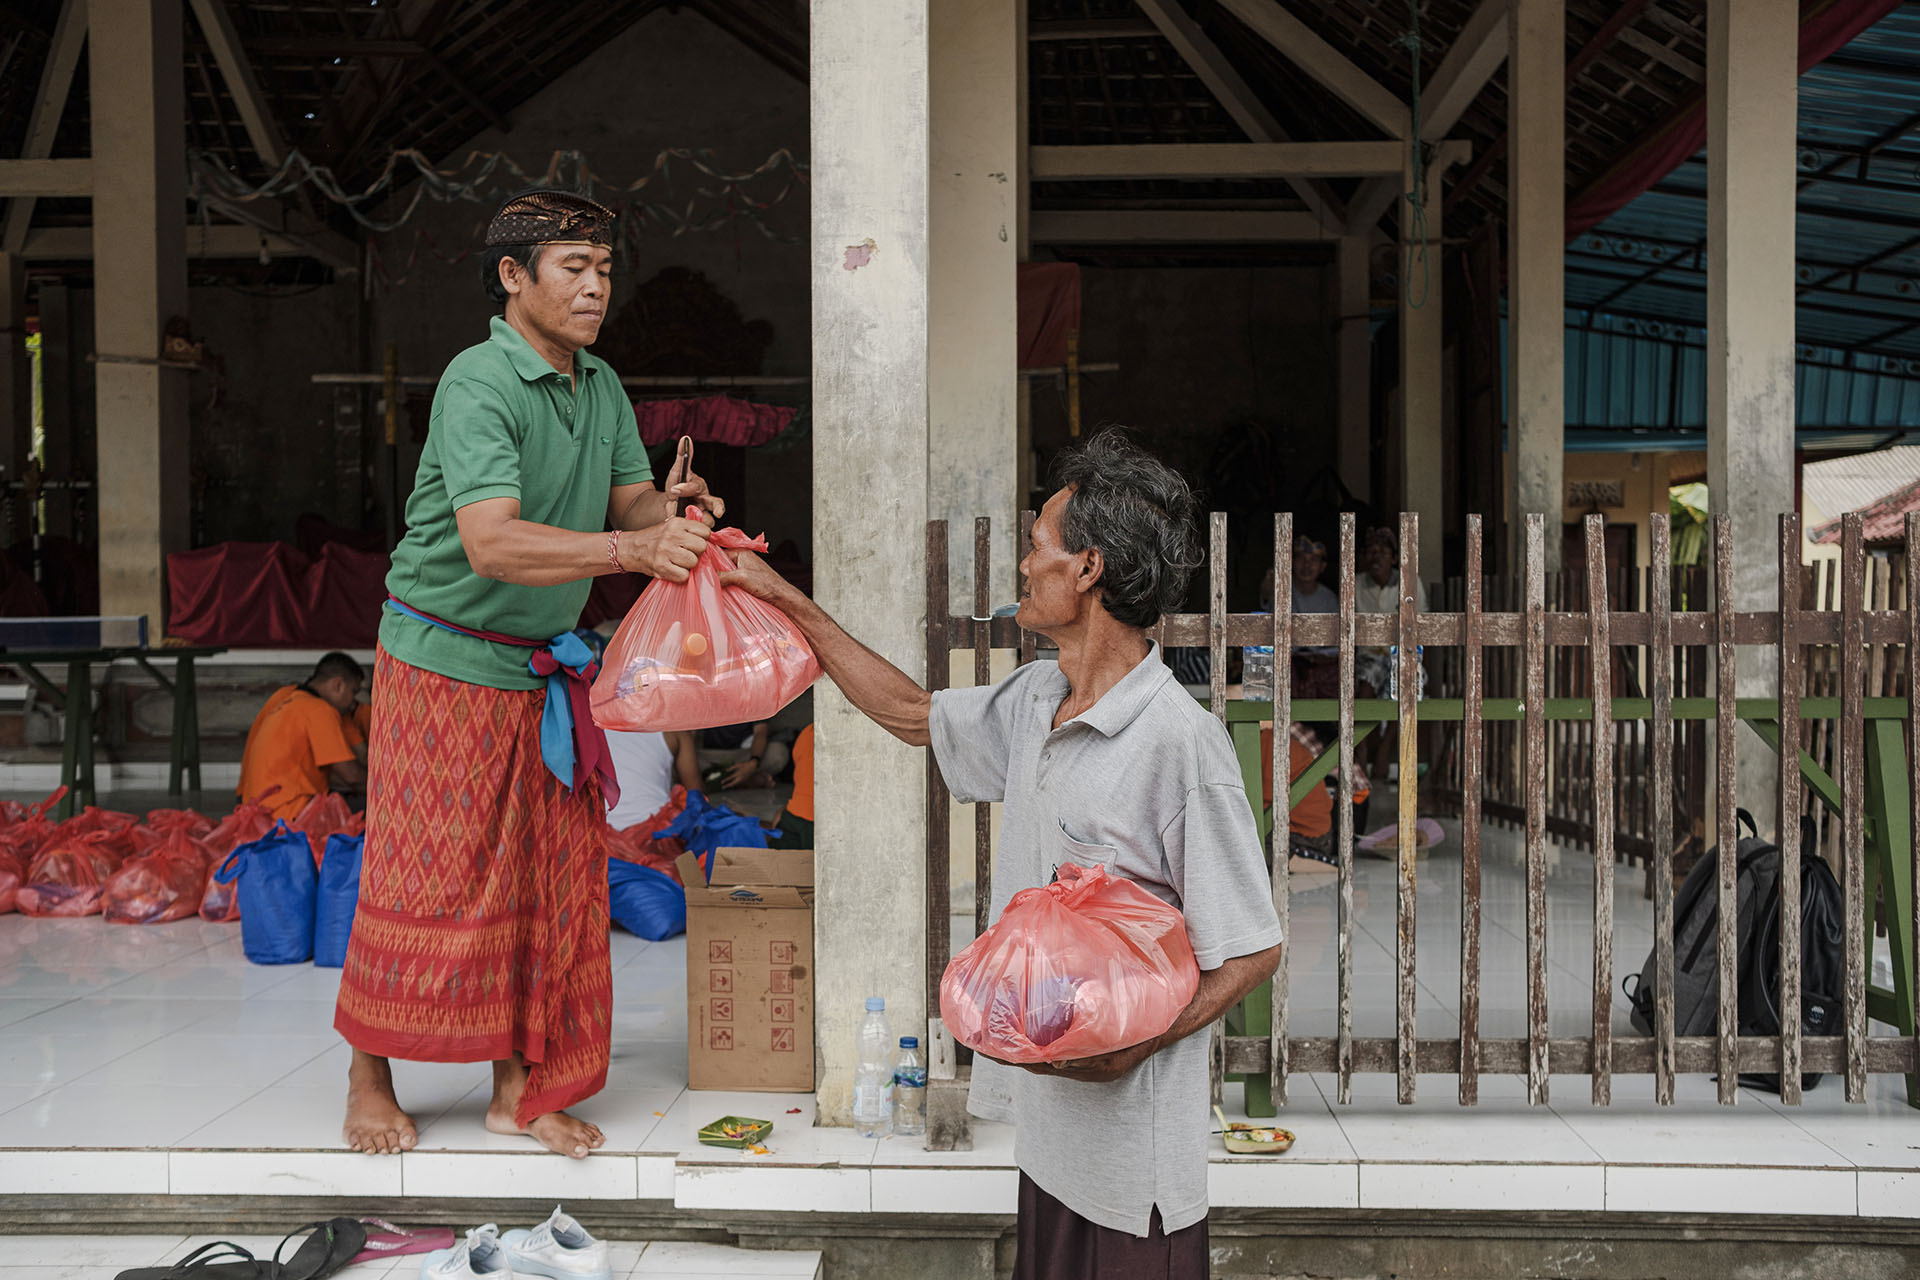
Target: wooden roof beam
[1272,22]
[69,36]
[1208,160]
[256,115]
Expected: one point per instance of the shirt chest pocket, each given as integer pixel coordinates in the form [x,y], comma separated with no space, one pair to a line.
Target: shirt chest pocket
[1082,853]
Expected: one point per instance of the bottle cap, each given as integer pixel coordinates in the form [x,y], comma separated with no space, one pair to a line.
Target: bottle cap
[909,1042]
[875,1004]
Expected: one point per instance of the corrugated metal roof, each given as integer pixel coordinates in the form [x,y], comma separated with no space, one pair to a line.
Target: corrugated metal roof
[1636,285]
[1883,522]
[1834,486]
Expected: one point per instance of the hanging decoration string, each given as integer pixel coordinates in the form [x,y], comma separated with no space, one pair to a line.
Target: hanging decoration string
[485,176]
[1416,198]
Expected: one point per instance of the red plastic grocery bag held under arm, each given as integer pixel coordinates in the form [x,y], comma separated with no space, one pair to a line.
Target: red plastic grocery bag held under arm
[1088,965]
[696,654]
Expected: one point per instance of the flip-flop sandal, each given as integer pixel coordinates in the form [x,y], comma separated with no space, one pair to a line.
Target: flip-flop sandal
[331,1246]
[384,1240]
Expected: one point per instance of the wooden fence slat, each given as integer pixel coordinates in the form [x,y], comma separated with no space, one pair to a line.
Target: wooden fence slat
[1472,768]
[1788,807]
[1407,659]
[1344,1028]
[939,799]
[982,675]
[1217,673]
[1281,832]
[1913,750]
[1852,809]
[1725,801]
[1601,653]
[1536,802]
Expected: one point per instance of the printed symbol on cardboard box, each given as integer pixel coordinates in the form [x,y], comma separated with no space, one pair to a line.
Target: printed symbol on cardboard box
[780,1009]
[780,981]
[783,1039]
[720,981]
[720,1038]
[780,952]
[720,951]
[720,1009]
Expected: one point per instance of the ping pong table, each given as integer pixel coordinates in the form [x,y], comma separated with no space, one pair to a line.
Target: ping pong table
[27,644]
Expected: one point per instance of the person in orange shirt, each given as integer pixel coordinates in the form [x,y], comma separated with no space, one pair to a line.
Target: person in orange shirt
[1310,823]
[796,820]
[302,743]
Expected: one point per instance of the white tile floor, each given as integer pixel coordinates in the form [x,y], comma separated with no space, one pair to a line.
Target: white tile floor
[157,1060]
[104,1257]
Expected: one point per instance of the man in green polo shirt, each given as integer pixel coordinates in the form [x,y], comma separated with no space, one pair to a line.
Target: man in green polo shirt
[481,933]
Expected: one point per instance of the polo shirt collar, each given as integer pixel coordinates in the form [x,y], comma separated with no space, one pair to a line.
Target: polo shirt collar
[527,362]
[1123,703]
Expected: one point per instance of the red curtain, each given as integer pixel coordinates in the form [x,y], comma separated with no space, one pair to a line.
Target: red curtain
[711,420]
[1824,28]
[270,595]
[1049,309]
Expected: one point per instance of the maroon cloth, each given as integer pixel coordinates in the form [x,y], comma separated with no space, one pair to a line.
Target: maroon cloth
[711,420]
[1049,309]
[1825,25]
[269,595]
[1053,1242]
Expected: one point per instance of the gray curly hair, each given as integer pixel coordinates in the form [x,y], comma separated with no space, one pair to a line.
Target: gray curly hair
[1139,514]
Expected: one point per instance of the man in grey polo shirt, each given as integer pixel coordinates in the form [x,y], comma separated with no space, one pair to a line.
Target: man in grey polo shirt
[1100,759]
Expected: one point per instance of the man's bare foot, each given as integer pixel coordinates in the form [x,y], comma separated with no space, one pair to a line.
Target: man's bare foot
[375,1123]
[557,1131]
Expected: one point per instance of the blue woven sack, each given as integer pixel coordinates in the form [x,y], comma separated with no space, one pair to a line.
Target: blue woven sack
[704,827]
[644,901]
[339,894]
[277,888]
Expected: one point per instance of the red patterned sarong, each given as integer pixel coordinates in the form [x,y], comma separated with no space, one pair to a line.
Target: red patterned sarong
[482,924]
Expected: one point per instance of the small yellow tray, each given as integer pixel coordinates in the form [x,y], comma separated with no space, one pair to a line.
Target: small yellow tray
[1249,1145]
[738,1132]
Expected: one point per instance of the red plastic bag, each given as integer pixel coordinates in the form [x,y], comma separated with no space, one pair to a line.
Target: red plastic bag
[325,814]
[155,888]
[247,823]
[196,825]
[19,842]
[1090,964]
[642,845]
[66,877]
[695,654]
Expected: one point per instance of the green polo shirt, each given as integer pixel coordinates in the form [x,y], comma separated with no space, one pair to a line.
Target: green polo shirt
[506,424]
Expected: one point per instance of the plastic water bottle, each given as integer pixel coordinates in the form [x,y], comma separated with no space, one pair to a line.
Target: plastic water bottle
[873,1078]
[910,1089]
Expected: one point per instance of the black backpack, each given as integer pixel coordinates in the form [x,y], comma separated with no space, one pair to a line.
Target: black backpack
[1696,975]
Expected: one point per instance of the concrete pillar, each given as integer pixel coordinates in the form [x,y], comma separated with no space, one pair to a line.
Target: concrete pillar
[1422,452]
[1752,74]
[973,310]
[1355,345]
[1536,268]
[869,103]
[140,274]
[16,387]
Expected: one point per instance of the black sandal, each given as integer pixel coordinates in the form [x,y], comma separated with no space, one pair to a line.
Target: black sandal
[330,1246]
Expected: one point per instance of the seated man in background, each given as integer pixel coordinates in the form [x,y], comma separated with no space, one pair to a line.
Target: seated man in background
[796,820]
[300,745]
[648,765]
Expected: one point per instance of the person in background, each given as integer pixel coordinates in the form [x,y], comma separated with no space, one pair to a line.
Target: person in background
[301,742]
[796,820]
[1378,591]
[648,766]
[767,753]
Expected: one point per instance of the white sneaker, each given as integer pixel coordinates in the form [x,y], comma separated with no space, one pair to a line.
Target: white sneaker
[480,1258]
[559,1248]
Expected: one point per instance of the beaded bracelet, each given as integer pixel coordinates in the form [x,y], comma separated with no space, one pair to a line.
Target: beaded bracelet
[613,549]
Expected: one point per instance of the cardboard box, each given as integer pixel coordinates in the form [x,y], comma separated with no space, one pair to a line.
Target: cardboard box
[750,970]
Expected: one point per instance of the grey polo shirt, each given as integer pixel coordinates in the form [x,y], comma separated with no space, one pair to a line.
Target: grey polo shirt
[1144,784]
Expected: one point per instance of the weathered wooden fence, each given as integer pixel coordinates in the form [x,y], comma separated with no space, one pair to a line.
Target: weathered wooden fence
[1522,710]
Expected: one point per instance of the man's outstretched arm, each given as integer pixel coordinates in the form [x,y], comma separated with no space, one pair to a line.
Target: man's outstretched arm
[886,694]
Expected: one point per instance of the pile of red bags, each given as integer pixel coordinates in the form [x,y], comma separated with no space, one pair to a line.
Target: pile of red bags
[163,885]
[67,876]
[24,833]
[1088,965]
[643,845]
